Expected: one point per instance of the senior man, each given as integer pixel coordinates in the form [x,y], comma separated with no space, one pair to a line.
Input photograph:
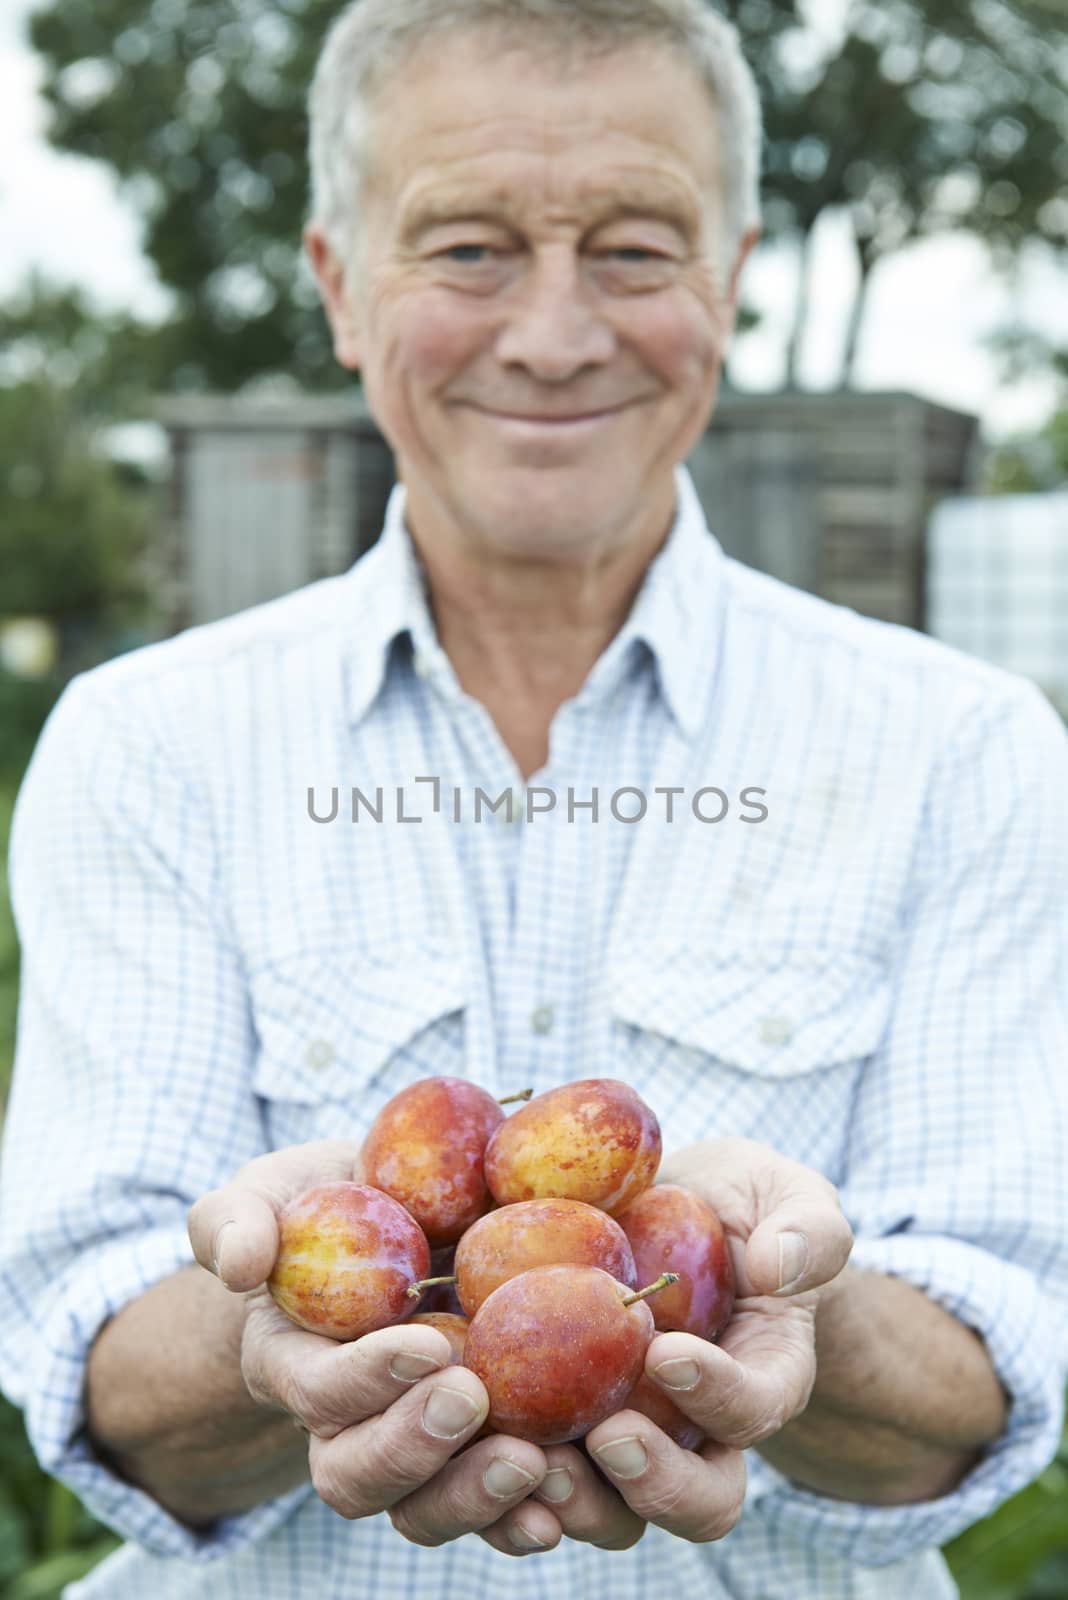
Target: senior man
[840,981]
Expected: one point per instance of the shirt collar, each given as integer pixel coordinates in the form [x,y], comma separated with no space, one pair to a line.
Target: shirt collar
[389,601]
[673,618]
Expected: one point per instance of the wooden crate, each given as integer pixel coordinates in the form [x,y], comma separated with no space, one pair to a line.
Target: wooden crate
[268,497]
[871,466]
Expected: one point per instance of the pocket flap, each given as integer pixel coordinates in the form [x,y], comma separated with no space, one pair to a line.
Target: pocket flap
[776,1019]
[328,1021]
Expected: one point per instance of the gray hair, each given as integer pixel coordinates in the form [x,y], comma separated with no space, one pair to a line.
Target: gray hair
[371,39]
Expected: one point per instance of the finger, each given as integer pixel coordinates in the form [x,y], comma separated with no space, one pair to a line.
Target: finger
[234,1230]
[804,1242]
[696,1495]
[472,1491]
[368,1468]
[758,1195]
[738,1403]
[587,1508]
[327,1386]
[527,1530]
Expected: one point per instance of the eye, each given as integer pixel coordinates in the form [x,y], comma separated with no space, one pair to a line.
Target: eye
[456,251]
[636,255]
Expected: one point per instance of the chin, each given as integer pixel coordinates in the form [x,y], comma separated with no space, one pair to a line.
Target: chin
[531,523]
[542,491]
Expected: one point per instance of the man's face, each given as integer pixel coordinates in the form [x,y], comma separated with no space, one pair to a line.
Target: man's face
[540,247]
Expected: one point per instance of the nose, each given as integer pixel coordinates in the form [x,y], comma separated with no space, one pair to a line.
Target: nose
[554,327]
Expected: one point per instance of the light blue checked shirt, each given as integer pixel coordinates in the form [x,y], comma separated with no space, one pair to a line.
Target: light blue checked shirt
[873,980]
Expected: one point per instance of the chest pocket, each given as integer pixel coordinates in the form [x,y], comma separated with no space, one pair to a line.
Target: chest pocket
[758,1016]
[342,1030]
[769,1050]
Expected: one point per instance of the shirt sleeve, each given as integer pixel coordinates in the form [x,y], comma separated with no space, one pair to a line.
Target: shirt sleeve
[956,1171]
[131,1093]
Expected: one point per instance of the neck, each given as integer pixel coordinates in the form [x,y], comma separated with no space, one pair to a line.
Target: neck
[523,632]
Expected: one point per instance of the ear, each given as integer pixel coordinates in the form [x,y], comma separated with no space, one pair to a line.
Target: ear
[342,310]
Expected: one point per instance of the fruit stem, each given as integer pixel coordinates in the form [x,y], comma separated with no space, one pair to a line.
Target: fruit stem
[661,1283]
[506,1100]
[416,1289]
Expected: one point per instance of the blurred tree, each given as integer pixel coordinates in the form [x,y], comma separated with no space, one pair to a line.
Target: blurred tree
[913,120]
[74,530]
[199,107]
[922,120]
[1024,349]
[106,365]
[1031,464]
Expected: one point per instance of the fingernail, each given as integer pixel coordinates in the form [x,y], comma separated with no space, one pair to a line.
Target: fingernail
[683,1374]
[215,1264]
[448,1412]
[503,1479]
[522,1540]
[556,1485]
[624,1458]
[793,1256]
[406,1367]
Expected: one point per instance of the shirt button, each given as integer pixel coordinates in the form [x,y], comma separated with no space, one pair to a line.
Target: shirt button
[319,1054]
[776,1030]
[542,1019]
[422,666]
[518,808]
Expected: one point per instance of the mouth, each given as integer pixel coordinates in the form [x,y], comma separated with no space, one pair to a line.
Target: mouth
[546,423]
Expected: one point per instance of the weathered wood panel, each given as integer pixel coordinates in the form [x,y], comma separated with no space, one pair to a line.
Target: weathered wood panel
[247,521]
[757,490]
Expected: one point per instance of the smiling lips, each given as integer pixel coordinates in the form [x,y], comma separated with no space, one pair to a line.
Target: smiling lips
[549,421]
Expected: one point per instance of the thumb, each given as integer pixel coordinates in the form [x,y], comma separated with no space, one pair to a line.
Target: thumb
[234,1233]
[234,1230]
[800,1245]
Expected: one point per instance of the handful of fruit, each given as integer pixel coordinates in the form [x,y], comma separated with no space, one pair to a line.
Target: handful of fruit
[545,1221]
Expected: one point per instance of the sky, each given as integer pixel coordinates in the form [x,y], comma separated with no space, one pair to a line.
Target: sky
[930,306]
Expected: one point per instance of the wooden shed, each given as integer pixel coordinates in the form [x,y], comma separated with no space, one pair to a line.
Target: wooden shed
[834,492]
[266,496]
[831,492]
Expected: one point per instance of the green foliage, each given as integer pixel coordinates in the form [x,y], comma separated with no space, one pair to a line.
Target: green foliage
[73,535]
[9,975]
[1031,464]
[199,107]
[47,1538]
[106,364]
[1021,1552]
[923,120]
[24,705]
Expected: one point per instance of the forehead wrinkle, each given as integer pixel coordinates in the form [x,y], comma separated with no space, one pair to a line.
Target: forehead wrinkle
[432,206]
